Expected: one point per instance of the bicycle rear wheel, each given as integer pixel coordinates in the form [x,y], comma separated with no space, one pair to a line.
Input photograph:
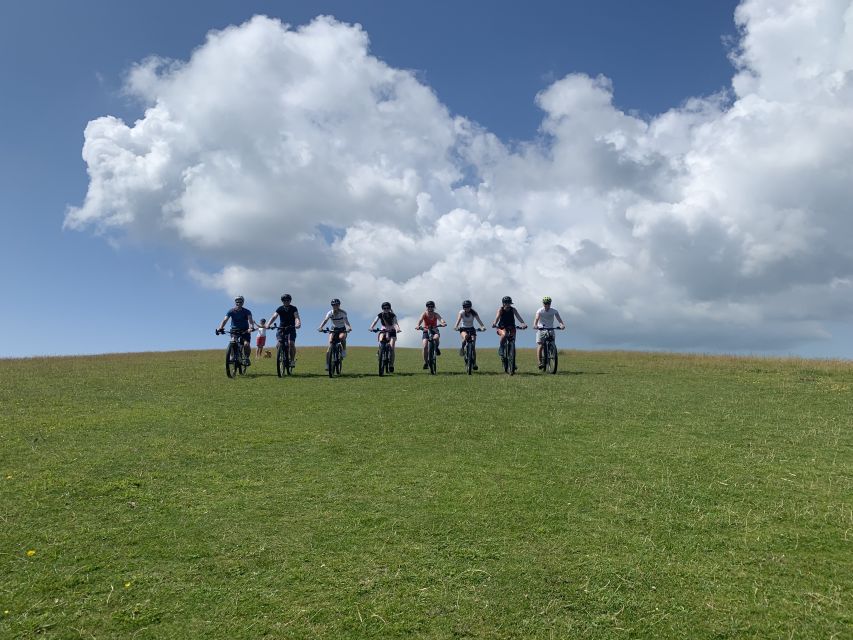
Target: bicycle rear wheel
[232,360]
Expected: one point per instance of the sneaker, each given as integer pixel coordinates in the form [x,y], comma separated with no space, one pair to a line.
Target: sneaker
[475,368]
[426,366]
[437,351]
[501,352]
[391,369]
[461,352]
[515,369]
[541,367]
[344,353]
[247,363]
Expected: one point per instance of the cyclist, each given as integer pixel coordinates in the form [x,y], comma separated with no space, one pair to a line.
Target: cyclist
[288,322]
[466,317]
[241,321]
[388,319]
[430,320]
[340,323]
[505,322]
[545,320]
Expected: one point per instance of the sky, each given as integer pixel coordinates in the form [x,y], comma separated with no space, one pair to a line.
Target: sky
[676,176]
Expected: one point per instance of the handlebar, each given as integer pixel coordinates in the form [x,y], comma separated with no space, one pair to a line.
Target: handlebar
[383,329]
[334,330]
[222,332]
[494,326]
[460,329]
[549,328]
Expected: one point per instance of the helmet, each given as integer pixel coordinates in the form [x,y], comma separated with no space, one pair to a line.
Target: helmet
[335,301]
[430,303]
[239,299]
[466,304]
[506,300]
[546,300]
[286,297]
[386,305]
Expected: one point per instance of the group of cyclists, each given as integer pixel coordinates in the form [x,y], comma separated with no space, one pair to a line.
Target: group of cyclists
[387,326]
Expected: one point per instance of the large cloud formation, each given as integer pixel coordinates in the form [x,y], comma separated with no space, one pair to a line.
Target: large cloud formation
[296,160]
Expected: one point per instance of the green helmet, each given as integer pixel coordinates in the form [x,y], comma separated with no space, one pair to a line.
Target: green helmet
[546,300]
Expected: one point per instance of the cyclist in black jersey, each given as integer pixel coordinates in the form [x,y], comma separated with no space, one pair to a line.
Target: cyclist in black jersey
[288,322]
[505,321]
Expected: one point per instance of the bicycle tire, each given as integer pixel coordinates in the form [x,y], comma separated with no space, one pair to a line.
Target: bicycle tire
[231,360]
[279,360]
[330,362]
[288,362]
[551,366]
[469,357]
[381,359]
[510,358]
[431,358]
[339,359]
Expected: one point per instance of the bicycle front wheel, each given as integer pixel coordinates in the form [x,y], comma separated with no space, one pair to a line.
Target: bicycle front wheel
[551,364]
[279,360]
[432,358]
[339,359]
[469,358]
[232,360]
[510,358]
[382,360]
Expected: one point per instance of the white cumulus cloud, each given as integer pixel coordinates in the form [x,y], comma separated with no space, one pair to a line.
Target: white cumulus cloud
[297,161]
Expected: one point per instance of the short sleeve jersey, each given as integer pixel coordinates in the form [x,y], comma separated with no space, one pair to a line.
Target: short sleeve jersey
[466,319]
[287,316]
[547,317]
[239,318]
[339,318]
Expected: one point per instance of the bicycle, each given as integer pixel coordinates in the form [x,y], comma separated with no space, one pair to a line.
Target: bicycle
[283,363]
[432,349]
[549,349]
[335,354]
[384,354]
[508,357]
[235,362]
[469,349]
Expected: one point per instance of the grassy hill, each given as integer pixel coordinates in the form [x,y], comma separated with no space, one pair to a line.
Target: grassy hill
[631,495]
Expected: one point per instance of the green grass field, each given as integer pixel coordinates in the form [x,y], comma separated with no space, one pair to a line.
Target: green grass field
[630,496]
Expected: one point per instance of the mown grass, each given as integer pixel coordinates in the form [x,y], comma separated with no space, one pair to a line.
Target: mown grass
[632,495]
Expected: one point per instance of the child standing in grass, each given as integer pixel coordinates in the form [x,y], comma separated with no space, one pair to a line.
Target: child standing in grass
[261,340]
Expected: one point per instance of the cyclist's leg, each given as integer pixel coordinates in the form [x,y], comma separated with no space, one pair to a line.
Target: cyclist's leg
[342,336]
[436,337]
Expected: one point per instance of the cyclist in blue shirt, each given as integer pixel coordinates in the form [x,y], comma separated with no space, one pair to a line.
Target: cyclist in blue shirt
[241,320]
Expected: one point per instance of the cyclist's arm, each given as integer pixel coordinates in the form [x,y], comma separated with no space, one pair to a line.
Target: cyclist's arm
[497,317]
[458,320]
[373,324]
[222,324]
[323,324]
[536,320]
[251,323]
[477,316]
[298,321]
[560,320]
[272,319]
[520,319]
[441,320]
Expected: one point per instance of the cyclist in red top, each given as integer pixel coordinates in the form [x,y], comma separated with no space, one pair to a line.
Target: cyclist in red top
[429,323]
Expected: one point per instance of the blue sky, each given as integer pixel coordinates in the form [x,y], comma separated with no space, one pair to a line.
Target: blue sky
[109,287]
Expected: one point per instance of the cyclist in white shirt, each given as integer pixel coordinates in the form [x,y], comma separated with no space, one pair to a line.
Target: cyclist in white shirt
[465,321]
[340,322]
[545,318]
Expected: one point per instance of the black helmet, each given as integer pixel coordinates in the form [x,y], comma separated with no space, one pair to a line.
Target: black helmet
[506,300]
[239,299]
[335,301]
[430,303]
[386,305]
[466,304]
[286,297]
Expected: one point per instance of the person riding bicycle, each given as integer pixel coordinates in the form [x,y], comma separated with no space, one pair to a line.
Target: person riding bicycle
[430,322]
[340,325]
[465,318]
[505,322]
[388,319]
[545,320]
[242,324]
[288,322]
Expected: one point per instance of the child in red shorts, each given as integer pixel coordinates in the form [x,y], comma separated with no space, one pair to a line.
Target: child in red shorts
[261,340]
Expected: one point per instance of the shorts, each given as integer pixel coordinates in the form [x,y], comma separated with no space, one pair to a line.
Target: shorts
[426,332]
[289,331]
[469,330]
[391,333]
[510,331]
[260,341]
[542,334]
